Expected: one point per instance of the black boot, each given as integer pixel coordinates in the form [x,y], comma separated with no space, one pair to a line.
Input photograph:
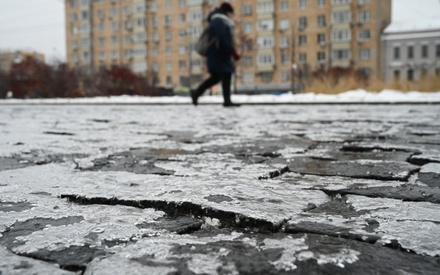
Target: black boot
[194,97]
[227,96]
[230,104]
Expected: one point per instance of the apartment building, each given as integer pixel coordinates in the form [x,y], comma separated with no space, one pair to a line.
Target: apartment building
[411,50]
[281,41]
[7,58]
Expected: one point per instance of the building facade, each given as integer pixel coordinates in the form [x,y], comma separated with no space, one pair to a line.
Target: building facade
[8,58]
[411,50]
[281,41]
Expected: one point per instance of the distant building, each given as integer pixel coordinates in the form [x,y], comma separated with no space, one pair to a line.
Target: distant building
[281,41]
[411,50]
[8,58]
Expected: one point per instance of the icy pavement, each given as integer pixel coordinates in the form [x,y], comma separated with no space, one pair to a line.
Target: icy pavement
[286,189]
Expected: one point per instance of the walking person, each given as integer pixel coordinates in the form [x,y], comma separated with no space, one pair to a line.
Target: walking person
[221,54]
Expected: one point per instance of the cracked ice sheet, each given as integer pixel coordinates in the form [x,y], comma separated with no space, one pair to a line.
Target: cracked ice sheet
[12,264]
[271,201]
[415,225]
[212,165]
[88,137]
[209,255]
[116,223]
[334,183]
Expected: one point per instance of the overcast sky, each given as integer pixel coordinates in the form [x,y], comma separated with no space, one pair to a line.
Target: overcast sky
[38,25]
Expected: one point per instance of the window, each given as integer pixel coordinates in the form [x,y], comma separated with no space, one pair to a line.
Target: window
[128,53]
[114,40]
[284,24]
[247,10]
[115,26]
[396,54]
[437,50]
[321,3]
[168,20]
[101,14]
[115,54]
[127,11]
[321,39]
[321,21]
[168,50]
[410,52]
[321,57]
[86,56]
[128,39]
[341,17]
[364,35]
[169,80]
[285,58]
[265,42]
[182,49]
[73,17]
[140,51]
[248,78]
[140,22]
[85,42]
[248,27]
[265,24]
[168,35]
[410,74]
[285,76]
[140,37]
[169,66]
[128,25]
[101,27]
[247,61]
[302,4]
[182,18]
[364,16]
[340,2]
[195,16]
[424,51]
[302,22]
[284,43]
[265,7]
[341,35]
[302,39]
[341,54]
[364,54]
[267,77]
[113,12]
[265,59]
[284,5]
[303,57]
[396,75]
[182,65]
[181,3]
[85,15]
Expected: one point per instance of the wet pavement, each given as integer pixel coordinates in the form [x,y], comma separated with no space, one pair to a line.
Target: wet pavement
[173,189]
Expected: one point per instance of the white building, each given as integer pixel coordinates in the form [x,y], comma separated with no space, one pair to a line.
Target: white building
[411,50]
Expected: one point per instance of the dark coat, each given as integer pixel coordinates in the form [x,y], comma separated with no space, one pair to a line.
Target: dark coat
[219,56]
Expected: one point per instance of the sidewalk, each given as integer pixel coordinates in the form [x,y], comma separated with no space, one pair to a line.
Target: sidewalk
[177,189]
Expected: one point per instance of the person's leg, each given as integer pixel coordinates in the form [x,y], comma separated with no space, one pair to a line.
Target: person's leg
[226,86]
[208,83]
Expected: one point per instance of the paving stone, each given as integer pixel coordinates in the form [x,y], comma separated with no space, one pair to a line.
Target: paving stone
[298,189]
